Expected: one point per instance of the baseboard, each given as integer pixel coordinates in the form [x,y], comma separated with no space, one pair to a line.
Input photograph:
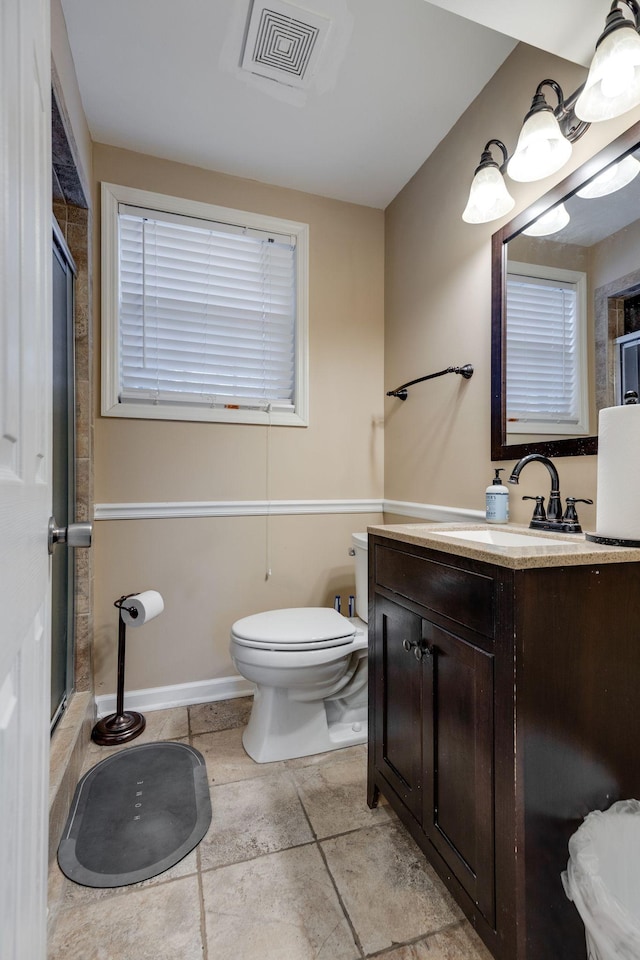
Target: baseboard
[177,695]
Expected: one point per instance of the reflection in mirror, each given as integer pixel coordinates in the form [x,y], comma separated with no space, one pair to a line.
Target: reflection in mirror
[566,308]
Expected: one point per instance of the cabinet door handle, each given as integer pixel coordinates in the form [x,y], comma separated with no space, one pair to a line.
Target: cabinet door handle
[419,651]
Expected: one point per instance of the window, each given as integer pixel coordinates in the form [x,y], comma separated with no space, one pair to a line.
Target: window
[546,350]
[204,311]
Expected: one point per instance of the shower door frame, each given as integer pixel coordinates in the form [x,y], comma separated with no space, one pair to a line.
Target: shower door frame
[60,250]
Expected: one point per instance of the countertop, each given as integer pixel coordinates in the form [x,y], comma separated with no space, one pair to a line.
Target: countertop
[441,536]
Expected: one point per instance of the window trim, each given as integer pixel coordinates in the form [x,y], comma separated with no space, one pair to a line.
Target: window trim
[579,278]
[114,194]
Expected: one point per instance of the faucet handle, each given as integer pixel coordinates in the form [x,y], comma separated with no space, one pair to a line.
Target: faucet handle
[538,512]
[570,515]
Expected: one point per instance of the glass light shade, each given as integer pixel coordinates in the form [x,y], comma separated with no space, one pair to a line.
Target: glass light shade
[489,198]
[613,83]
[550,222]
[541,149]
[615,177]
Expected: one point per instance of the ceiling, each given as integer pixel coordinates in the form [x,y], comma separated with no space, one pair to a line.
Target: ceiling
[391,78]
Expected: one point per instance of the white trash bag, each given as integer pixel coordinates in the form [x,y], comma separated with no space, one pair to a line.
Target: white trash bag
[603,880]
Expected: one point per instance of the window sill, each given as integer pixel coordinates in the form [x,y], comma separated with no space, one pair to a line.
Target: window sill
[145,411]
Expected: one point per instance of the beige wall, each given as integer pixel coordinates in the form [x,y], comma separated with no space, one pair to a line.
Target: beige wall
[438,303]
[617,256]
[211,571]
[546,253]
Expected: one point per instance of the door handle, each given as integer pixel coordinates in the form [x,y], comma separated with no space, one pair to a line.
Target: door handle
[74,535]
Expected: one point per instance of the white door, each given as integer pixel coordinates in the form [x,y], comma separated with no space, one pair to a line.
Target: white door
[25,467]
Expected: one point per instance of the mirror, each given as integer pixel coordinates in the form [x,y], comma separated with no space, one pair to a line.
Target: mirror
[566,310]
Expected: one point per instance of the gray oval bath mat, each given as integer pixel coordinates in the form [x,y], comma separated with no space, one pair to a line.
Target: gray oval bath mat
[136,814]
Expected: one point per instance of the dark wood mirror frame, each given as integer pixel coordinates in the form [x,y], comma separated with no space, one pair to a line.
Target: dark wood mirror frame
[574,446]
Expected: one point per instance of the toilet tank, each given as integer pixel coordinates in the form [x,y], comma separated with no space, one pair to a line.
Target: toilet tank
[360,545]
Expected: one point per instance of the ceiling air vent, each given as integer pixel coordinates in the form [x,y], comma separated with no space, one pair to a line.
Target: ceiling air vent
[284,42]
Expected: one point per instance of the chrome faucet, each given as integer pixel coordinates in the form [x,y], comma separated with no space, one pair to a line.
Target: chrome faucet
[553,519]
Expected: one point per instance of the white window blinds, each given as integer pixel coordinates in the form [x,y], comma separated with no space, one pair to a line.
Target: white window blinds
[206,312]
[544,385]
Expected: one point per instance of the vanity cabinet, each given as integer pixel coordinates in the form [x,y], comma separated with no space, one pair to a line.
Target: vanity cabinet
[503,708]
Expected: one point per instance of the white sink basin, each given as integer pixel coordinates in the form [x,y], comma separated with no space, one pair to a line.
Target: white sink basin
[504,538]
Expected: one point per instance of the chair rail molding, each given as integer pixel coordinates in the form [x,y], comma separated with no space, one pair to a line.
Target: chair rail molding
[171,510]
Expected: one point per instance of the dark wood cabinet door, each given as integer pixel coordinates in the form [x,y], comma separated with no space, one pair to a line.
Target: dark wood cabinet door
[398,701]
[458,745]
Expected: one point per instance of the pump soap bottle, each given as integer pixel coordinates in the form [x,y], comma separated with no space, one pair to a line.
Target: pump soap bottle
[497,500]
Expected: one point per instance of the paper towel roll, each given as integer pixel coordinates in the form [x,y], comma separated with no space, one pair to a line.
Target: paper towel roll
[147,605]
[618,500]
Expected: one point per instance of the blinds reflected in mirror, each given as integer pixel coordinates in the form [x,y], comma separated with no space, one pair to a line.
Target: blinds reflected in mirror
[546,387]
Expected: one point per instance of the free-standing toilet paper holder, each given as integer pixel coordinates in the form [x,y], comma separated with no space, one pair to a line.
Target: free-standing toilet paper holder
[121,726]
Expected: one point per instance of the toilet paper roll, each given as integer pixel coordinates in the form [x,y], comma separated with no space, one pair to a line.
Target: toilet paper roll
[618,500]
[146,605]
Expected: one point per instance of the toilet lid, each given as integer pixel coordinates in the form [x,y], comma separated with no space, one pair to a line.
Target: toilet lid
[299,628]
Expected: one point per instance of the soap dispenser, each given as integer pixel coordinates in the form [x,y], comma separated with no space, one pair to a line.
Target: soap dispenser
[497,500]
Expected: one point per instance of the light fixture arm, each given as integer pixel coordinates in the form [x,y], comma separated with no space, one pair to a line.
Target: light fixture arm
[634,6]
[616,19]
[487,156]
[571,127]
[555,86]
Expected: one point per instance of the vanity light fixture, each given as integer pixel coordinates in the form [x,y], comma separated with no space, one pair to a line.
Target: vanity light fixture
[612,178]
[613,84]
[544,145]
[550,222]
[488,196]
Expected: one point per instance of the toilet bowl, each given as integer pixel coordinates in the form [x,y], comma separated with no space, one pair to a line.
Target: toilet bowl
[309,667]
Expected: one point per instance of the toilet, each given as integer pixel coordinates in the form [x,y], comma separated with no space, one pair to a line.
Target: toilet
[309,667]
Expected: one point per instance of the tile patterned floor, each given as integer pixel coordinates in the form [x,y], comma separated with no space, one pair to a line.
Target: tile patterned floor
[294,867]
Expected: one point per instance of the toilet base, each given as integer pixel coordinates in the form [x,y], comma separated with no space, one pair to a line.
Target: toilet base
[281,728]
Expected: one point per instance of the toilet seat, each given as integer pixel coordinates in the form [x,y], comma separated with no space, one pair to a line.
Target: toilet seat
[297,628]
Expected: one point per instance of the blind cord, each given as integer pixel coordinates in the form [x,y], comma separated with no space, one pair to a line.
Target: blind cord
[267,575]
